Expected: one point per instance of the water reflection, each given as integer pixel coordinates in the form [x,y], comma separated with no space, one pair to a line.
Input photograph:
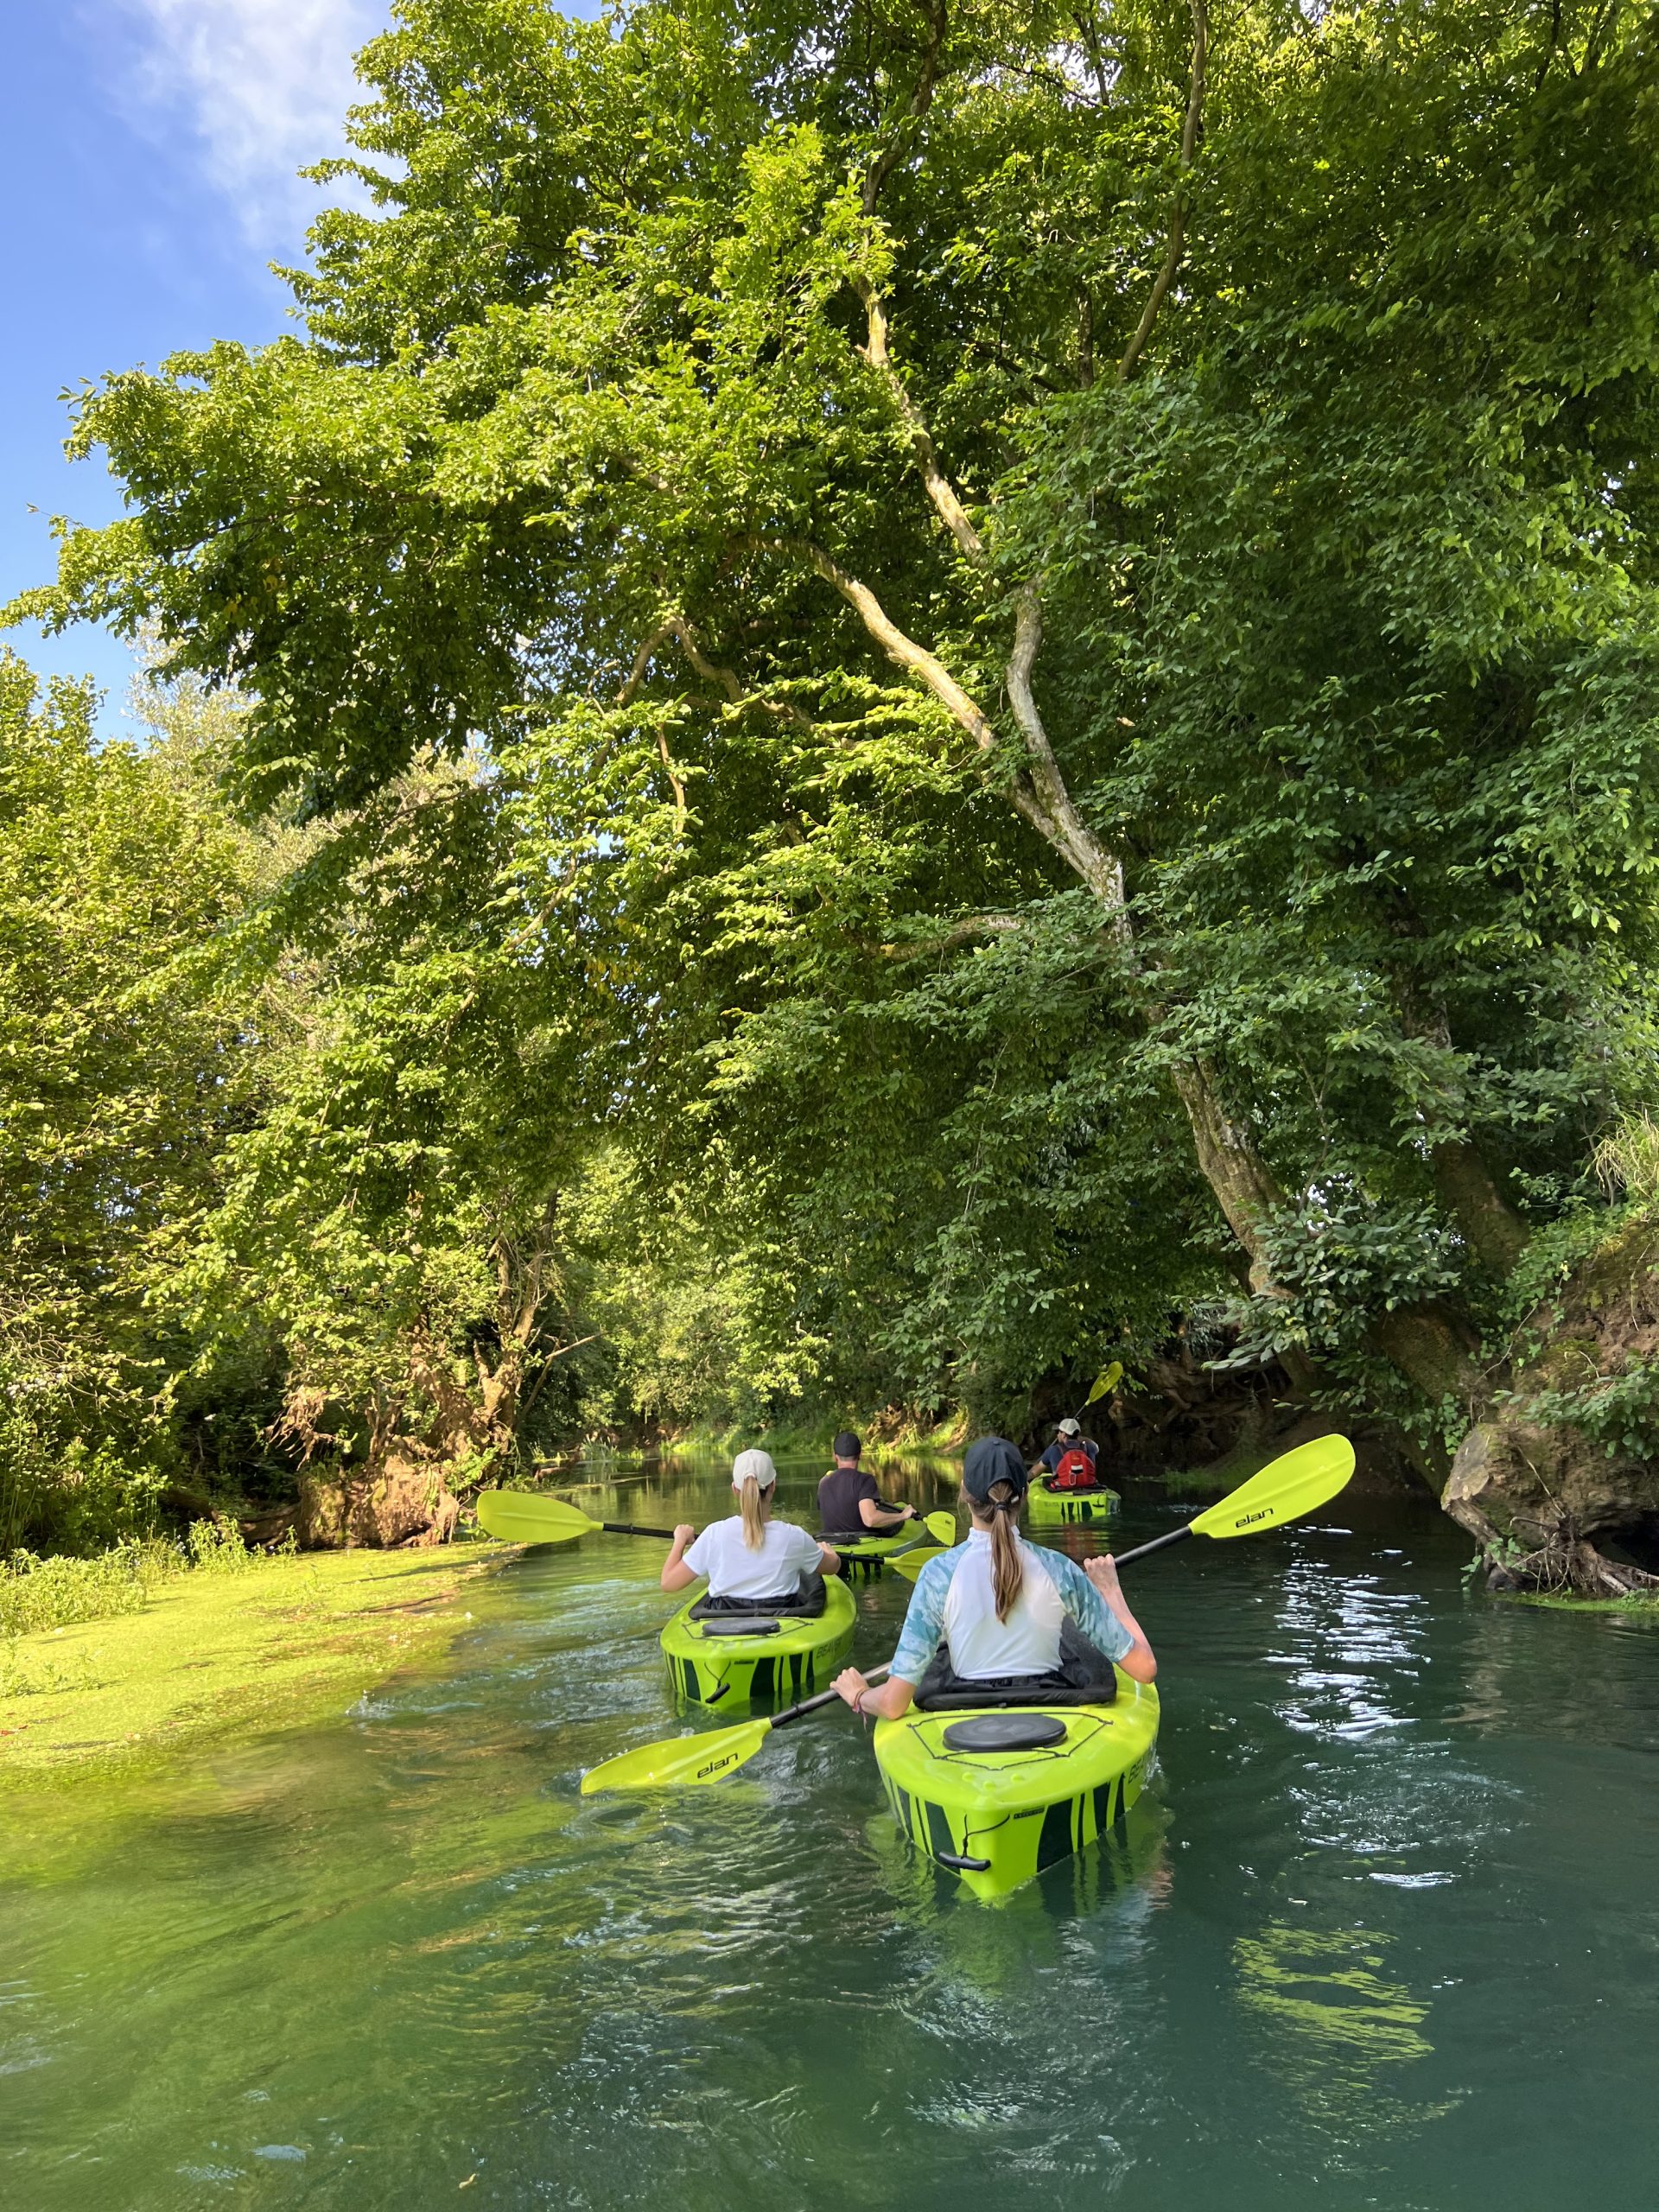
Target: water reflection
[1355,1650]
[1335,2030]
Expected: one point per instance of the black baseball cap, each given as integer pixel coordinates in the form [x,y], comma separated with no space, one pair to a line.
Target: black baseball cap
[846,1446]
[993,1459]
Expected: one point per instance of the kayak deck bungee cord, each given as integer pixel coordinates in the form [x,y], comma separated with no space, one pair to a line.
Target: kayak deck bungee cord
[733,1659]
[1069,1508]
[997,1793]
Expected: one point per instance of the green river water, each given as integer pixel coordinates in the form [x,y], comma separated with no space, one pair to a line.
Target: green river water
[1384,1932]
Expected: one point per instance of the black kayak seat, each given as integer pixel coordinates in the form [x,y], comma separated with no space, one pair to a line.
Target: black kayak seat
[1085,1676]
[805,1602]
[739,1624]
[1005,1732]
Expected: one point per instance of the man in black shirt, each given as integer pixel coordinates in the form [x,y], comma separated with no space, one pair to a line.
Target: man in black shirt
[849,1502]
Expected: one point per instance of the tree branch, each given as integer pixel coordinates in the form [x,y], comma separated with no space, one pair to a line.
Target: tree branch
[1166,276]
[630,692]
[959,933]
[920,100]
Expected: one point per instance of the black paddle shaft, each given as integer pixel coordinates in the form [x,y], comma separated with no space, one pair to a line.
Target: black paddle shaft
[1157,1544]
[825,1697]
[627,1529]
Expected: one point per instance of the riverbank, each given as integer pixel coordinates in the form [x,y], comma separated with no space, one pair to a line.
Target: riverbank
[213,1652]
[811,1438]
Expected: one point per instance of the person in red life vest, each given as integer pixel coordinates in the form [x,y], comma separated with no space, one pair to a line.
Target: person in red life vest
[1070,1460]
[849,1504]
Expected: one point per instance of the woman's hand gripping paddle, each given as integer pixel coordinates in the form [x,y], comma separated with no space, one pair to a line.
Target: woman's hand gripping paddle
[708,1757]
[524,1516]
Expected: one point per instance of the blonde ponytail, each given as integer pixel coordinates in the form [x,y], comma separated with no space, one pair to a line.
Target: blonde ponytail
[754,1519]
[1001,1510]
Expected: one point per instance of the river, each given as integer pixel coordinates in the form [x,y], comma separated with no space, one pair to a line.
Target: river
[1384,1931]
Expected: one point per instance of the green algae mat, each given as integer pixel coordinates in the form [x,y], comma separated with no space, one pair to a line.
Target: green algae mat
[217,1651]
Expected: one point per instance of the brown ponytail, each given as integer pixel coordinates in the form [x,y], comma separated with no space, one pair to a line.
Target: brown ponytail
[755,1521]
[1000,1510]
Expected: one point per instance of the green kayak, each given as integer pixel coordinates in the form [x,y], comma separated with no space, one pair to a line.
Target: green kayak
[863,1557]
[733,1658]
[997,1793]
[1056,1509]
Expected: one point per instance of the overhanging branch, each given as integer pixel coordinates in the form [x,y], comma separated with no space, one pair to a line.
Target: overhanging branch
[1189,130]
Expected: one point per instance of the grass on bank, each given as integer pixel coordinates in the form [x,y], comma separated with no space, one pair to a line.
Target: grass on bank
[174,1656]
[1639,1604]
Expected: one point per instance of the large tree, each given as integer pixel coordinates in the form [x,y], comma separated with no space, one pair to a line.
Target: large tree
[1102,537]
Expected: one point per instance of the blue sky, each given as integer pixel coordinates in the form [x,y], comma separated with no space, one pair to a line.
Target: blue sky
[147,158]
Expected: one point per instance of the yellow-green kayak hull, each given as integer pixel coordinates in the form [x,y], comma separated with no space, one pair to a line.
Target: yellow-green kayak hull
[998,1818]
[1069,1508]
[734,1670]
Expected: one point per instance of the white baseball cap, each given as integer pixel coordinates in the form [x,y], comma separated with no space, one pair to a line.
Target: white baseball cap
[1069,1428]
[756,1463]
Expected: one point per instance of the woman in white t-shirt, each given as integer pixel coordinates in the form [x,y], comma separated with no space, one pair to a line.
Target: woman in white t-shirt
[750,1555]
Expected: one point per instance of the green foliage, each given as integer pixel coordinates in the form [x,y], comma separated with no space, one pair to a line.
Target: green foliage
[216,1546]
[686,939]
[122,1070]
[45,1593]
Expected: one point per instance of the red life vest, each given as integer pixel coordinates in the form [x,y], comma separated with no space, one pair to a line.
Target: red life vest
[1075,1472]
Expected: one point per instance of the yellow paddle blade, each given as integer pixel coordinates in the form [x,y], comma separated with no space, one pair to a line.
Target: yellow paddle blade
[1107,1381]
[941,1527]
[909,1564]
[1300,1482]
[680,1760]
[521,1516]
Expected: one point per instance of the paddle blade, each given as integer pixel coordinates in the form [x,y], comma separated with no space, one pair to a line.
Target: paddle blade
[941,1527]
[679,1760]
[1105,1382]
[909,1564]
[520,1516]
[1297,1484]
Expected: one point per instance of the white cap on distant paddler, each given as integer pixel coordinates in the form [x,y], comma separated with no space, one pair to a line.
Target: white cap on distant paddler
[1069,1428]
[756,1463]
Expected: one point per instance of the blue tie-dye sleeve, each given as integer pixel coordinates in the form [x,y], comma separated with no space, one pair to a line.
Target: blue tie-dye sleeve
[1086,1606]
[924,1622]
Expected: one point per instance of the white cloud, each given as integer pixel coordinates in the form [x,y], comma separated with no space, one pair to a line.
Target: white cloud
[263,85]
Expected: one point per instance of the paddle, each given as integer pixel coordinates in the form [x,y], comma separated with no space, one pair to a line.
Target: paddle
[522,1517]
[1297,1482]
[941,1535]
[708,1757]
[914,1558]
[1107,1379]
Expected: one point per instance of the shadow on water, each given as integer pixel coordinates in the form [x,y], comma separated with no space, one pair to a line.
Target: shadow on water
[1389,1911]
